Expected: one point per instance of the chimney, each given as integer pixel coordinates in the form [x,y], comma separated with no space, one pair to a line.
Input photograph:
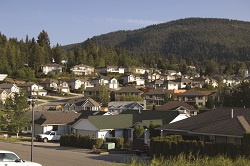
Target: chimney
[232,113]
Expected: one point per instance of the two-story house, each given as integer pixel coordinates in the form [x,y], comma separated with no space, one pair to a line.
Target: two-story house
[156,96]
[82,70]
[10,88]
[125,92]
[33,89]
[192,97]
[111,69]
[51,68]
[101,80]
[50,84]
[170,85]
[183,82]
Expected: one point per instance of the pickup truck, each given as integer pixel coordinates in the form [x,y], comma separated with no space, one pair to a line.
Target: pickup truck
[48,136]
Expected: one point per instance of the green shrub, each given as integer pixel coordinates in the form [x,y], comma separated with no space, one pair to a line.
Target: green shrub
[97,142]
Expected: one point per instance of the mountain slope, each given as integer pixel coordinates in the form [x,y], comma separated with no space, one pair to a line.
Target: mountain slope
[192,38]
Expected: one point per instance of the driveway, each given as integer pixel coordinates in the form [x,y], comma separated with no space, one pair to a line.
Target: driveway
[51,154]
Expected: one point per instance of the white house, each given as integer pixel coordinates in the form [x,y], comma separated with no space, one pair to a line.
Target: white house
[10,88]
[113,83]
[82,70]
[111,69]
[51,68]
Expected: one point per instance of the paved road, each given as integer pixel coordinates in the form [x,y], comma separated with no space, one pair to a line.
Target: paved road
[51,154]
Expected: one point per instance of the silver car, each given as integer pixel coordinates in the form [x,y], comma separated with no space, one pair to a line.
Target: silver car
[8,158]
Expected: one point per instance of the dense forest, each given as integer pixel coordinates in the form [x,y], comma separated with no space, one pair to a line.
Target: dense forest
[212,45]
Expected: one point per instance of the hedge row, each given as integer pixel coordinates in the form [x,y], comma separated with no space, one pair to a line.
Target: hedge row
[80,141]
[119,142]
[173,146]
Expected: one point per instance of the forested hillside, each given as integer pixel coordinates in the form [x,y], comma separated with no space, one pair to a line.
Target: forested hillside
[212,45]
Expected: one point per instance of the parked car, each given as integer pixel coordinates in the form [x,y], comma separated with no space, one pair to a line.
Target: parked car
[8,158]
[48,136]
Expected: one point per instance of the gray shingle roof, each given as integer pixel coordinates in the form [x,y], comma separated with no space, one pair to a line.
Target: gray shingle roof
[172,105]
[129,89]
[216,122]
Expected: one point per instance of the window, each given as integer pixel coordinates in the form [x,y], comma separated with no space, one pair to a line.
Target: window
[55,128]
[200,97]
[200,104]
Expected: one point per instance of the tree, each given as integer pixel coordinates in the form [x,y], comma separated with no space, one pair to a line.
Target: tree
[167,97]
[14,116]
[104,96]
[153,132]
[138,131]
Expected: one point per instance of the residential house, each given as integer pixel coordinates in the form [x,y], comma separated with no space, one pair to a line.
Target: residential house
[33,89]
[125,92]
[81,104]
[127,78]
[170,85]
[99,126]
[183,82]
[139,81]
[51,68]
[192,97]
[156,96]
[172,73]
[92,91]
[155,84]
[10,88]
[55,120]
[3,95]
[150,76]
[121,125]
[116,107]
[63,86]
[101,80]
[111,69]
[221,125]
[50,84]
[180,106]
[82,70]
[113,83]
[139,70]
[77,83]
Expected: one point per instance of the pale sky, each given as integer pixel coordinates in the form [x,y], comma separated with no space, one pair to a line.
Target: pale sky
[73,21]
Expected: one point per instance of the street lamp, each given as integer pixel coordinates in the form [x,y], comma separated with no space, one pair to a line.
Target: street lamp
[31,102]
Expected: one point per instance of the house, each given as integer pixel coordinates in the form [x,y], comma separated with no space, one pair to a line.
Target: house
[10,88]
[192,97]
[92,91]
[170,85]
[33,89]
[221,125]
[155,84]
[113,83]
[81,104]
[3,95]
[50,84]
[55,120]
[183,82]
[126,92]
[156,96]
[63,86]
[116,107]
[52,68]
[111,69]
[74,83]
[139,70]
[127,78]
[150,76]
[180,106]
[99,126]
[101,80]
[82,69]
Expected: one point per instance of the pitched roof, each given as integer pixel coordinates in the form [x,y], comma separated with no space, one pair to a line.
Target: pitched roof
[191,92]
[182,80]
[111,121]
[6,86]
[81,101]
[126,104]
[220,121]
[142,115]
[157,91]
[57,118]
[128,89]
[173,105]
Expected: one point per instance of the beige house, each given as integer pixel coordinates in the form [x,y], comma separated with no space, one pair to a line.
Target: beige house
[82,70]
[192,97]
[51,68]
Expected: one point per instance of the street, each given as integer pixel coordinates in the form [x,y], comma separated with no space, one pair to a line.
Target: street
[51,154]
